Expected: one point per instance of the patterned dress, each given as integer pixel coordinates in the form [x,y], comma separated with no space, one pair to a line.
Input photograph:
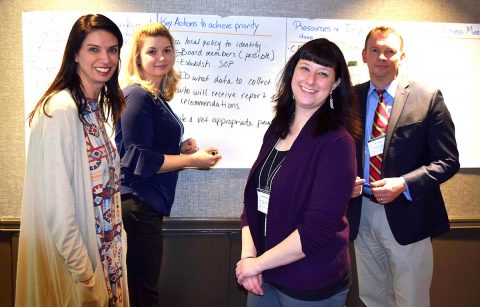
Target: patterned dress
[105,176]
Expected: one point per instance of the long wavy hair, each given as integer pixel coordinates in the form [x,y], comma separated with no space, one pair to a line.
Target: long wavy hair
[111,98]
[345,112]
[134,73]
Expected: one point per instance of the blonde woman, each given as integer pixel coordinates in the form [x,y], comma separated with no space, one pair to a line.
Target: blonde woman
[149,139]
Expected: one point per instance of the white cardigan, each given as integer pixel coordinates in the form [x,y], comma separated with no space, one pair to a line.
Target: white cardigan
[58,244]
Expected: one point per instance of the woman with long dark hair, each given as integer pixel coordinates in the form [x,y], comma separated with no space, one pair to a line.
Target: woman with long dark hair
[72,248]
[294,228]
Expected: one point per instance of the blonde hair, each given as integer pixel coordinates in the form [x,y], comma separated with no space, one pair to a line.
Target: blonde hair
[134,74]
[386,31]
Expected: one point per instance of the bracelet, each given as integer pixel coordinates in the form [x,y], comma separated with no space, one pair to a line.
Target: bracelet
[248,257]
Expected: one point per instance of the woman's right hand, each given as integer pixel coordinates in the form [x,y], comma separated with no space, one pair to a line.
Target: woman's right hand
[88,282]
[91,293]
[206,158]
[253,284]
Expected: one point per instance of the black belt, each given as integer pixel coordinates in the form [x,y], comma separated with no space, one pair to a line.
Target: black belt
[370,196]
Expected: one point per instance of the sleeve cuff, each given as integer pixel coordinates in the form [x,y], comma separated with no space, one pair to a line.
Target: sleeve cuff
[407,194]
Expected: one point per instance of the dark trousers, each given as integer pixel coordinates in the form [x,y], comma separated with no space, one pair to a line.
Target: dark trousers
[144,251]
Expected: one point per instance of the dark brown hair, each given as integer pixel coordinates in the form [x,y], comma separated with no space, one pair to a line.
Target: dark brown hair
[111,97]
[345,112]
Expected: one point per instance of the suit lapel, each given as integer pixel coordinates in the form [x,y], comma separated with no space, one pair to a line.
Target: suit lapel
[362,94]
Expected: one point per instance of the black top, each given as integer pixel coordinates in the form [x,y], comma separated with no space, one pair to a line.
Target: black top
[148,130]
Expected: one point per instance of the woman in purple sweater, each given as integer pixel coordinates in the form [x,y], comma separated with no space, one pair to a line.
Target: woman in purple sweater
[294,228]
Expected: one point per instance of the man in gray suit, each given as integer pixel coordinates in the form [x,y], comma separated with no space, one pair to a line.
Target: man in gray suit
[409,149]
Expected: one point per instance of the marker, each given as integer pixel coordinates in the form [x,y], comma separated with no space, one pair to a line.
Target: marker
[367,185]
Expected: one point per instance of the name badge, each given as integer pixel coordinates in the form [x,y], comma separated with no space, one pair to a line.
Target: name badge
[263,199]
[375,146]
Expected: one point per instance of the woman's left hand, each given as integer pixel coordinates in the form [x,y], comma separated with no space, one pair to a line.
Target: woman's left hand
[247,267]
[189,147]
[357,187]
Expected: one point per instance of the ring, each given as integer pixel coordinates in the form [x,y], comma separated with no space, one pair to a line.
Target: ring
[381,199]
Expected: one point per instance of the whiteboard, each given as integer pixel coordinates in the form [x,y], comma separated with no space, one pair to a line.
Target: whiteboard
[230,67]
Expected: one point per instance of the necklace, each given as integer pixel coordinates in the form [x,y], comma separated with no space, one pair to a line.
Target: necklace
[173,115]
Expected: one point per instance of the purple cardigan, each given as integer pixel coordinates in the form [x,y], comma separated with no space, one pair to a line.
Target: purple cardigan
[310,193]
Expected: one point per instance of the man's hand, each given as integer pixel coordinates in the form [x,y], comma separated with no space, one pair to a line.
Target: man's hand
[387,189]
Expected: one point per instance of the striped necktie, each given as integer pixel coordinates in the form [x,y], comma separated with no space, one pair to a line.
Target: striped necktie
[379,128]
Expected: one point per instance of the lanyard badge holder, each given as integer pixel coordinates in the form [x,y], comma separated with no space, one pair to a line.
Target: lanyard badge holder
[263,194]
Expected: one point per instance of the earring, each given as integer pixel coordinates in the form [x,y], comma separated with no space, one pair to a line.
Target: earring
[331,101]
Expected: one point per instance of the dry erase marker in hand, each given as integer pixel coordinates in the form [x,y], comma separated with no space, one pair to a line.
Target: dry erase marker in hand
[367,185]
